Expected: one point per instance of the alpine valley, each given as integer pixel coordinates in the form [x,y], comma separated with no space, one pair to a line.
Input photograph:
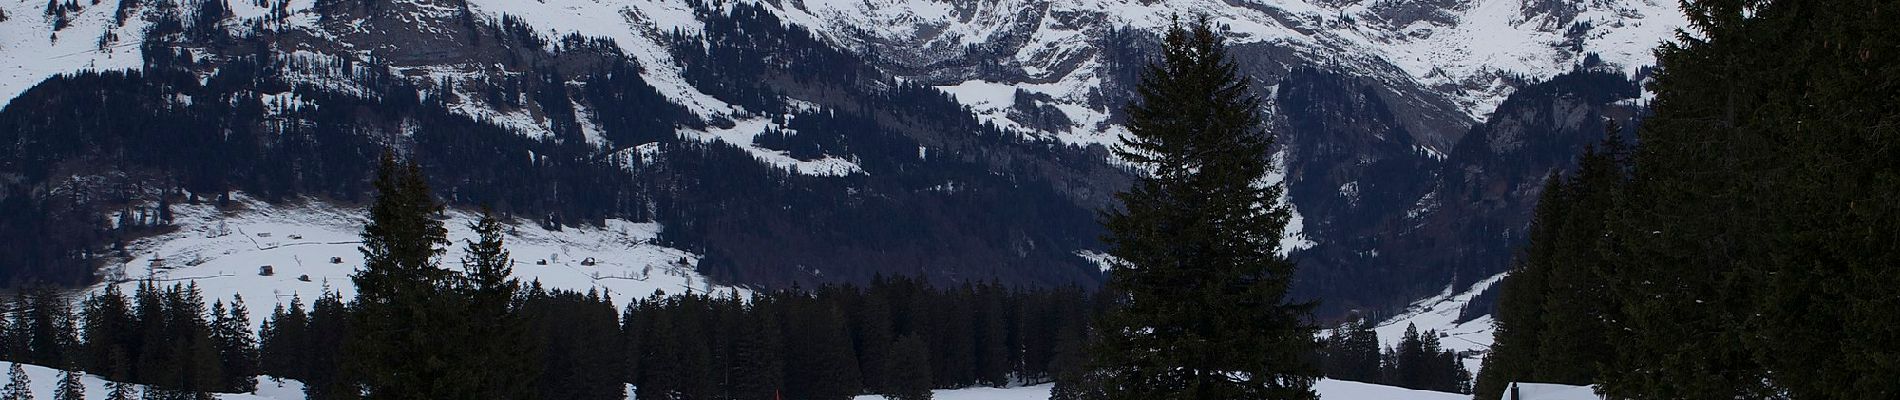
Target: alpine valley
[685,144]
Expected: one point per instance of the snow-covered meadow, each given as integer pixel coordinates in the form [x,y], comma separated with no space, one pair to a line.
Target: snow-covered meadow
[45,380]
[311,246]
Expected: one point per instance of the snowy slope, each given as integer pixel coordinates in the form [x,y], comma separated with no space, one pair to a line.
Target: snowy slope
[1440,313]
[44,382]
[31,51]
[222,251]
[1489,38]
[637,26]
[1461,52]
[1465,50]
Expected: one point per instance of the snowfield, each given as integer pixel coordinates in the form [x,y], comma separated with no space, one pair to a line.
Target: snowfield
[1440,313]
[312,247]
[31,51]
[45,380]
[1328,389]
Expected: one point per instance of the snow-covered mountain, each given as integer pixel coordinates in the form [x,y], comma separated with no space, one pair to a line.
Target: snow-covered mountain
[778,141]
[1470,53]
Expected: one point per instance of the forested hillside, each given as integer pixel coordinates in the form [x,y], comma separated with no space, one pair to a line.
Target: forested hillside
[783,143]
[214,112]
[1743,247]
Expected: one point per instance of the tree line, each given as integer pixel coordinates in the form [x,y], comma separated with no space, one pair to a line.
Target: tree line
[164,337]
[416,330]
[1743,248]
[279,127]
[1351,351]
[1197,302]
[419,330]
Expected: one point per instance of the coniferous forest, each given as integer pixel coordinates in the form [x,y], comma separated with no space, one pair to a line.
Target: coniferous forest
[1737,241]
[1351,352]
[419,329]
[1745,245]
[1198,304]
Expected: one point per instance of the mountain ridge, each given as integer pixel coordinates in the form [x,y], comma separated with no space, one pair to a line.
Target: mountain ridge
[1009,98]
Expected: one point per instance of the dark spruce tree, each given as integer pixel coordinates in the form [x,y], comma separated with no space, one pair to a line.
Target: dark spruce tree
[44,324]
[1420,362]
[758,355]
[820,364]
[494,359]
[237,347]
[328,376]
[19,386]
[403,330]
[907,370]
[1521,299]
[1755,249]
[1745,248]
[118,390]
[70,386]
[1573,340]
[1200,285]
[1352,352]
[283,342]
[1553,307]
[107,325]
[992,341]
[875,337]
[1068,367]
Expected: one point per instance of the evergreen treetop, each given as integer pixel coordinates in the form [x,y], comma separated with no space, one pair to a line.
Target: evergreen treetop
[1199,283]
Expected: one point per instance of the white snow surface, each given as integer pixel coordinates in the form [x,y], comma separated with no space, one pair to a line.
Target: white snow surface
[636,26]
[44,382]
[223,251]
[1484,41]
[1495,37]
[1439,313]
[31,51]
[1551,391]
[1467,55]
[1333,389]
[743,131]
[1328,389]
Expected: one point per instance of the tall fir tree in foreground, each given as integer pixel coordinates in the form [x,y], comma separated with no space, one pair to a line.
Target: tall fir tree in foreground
[402,329]
[1748,250]
[1200,285]
[1754,252]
